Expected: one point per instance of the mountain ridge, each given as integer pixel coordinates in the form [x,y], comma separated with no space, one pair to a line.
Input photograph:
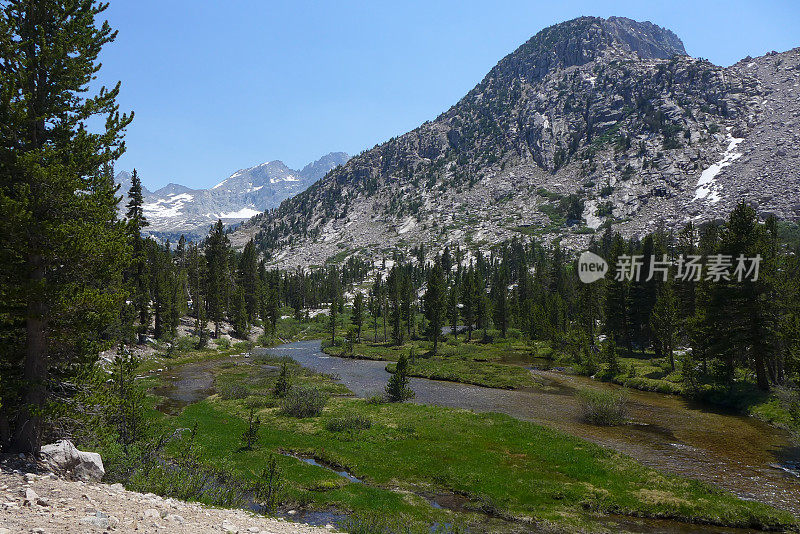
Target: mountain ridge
[174,209]
[612,112]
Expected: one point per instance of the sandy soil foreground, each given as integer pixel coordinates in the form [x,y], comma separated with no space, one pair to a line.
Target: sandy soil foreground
[46,504]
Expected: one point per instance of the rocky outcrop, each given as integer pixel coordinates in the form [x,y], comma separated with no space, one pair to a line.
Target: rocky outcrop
[64,458]
[611,112]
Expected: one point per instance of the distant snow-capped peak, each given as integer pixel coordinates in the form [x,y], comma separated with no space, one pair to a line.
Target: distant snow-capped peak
[176,209]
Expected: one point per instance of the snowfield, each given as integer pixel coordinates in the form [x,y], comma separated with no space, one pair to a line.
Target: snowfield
[706,188]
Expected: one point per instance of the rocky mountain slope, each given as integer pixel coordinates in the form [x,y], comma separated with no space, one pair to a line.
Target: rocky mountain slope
[591,123]
[175,209]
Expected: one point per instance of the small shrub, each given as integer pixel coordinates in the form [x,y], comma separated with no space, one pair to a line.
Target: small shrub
[632,371]
[348,422]
[606,408]
[232,392]
[269,488]
[186,343]
[250,436]
[282,386]
[304,402]
[223,343]
[397,389]
[377,399]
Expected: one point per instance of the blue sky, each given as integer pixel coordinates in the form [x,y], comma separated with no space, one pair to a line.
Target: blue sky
[222,85]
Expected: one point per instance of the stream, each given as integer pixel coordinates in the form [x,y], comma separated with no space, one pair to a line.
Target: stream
[672,434]
[741,454]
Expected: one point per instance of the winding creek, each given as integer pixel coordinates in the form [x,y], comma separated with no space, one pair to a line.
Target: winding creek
[740,454]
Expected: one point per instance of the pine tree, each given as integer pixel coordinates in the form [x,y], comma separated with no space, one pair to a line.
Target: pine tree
[282,385]
[239,318]
[136,222]
[434,304]
[469,295]
[500,299]
[397,389]
[617,306]
[609,355]
[375,301]
[407,298]
[332,313]
[483,306]
[664,321]
[217,250]
[62,248]
[358,314]
[202,323]
[394,294]
[249,281]
[250,435]
[129,400]
[452,309]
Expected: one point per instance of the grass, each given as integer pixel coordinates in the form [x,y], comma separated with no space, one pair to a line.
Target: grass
[486,374]
[496,365]
[646,372]
[606,408]
[514,469]
[303,402]
[408,448]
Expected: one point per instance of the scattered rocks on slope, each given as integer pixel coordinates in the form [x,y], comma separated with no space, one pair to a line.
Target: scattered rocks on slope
[43,503]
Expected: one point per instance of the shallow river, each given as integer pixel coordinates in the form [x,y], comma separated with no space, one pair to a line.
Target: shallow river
[741,454]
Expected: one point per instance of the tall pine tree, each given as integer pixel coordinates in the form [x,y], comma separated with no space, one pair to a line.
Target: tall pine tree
[62,246]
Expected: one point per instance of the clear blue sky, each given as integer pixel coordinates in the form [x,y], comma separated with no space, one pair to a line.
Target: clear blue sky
[222,85]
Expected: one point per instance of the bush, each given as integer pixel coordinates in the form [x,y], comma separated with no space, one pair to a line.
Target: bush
[269,488]
[186,343]
[223,343]
[282,385]
[397,389]
[377,399]
[233,392]
[250,435]
[304,402]
[607,408]
[264,340]
[348,422]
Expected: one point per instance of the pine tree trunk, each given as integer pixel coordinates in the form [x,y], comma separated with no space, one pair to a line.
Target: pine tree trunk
[28,427]
[761,372]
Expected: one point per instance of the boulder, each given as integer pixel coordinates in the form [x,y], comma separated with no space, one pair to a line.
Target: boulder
[63,457]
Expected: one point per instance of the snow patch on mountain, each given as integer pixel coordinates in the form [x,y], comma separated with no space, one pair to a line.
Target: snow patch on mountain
[706,188]
[244,213]
[175,209]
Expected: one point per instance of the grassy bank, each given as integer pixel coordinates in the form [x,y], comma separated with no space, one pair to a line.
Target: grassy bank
[647,372]
[497,466]
[501,363]
[498,365]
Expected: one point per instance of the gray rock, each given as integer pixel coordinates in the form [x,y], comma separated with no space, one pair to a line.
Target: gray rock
[152,513]
[64,457]
[98,520]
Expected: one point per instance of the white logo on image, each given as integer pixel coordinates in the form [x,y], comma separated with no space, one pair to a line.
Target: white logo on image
[591,267]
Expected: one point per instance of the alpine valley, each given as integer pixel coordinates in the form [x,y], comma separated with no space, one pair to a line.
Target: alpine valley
[176,210]
[592,123]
